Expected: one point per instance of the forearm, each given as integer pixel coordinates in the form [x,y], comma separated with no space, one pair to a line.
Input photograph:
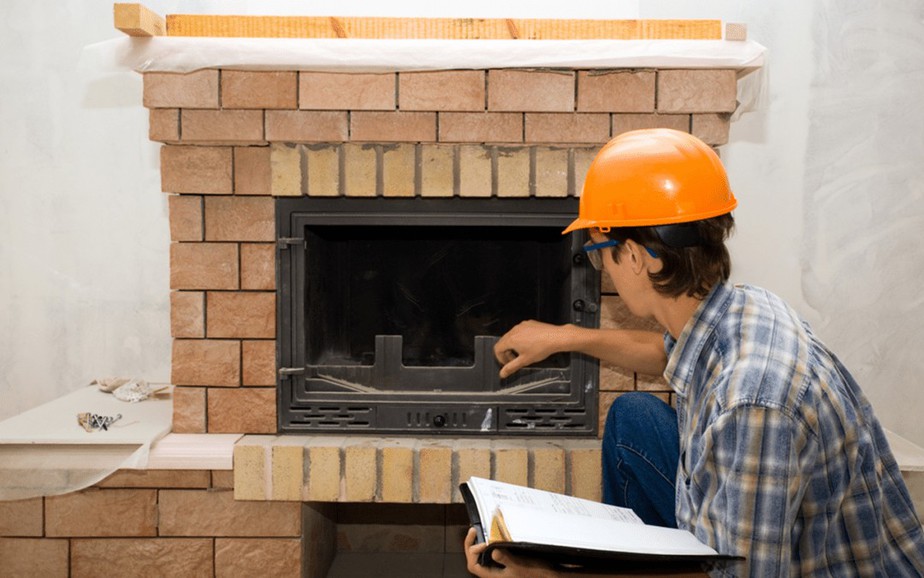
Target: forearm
[633,350]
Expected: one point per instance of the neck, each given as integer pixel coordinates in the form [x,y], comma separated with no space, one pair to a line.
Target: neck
[673,313]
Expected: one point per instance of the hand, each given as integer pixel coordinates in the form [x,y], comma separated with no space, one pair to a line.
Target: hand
[527,343]
[513,566]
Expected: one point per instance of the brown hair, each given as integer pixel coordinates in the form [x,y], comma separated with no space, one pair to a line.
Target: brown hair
[692,270]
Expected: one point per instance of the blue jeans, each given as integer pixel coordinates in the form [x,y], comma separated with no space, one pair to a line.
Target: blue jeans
[641,448]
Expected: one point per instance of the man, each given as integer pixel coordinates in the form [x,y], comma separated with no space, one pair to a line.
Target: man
[773,453]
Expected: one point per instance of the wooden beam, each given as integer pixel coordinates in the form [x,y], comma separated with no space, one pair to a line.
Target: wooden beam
[137,20]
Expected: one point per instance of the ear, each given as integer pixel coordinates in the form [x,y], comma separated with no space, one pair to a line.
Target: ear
[635,253]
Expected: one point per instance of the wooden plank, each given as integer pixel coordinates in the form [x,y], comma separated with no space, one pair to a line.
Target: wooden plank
[137,20]
[437,28]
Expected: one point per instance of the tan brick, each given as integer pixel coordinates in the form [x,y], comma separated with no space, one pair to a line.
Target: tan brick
[583,157]
[250,315]
[399,165]
[475,175]
[346,91]
[189,410]
[481,127]
[142,557]
[393,126]
[651,383]
[230,126]
[436,171]
[549,468]
[567,128]
[711,128]
[360,170]
[512,465]
[551,172]
[171,90]
[616,91]
[697,90]
[586,474]
[604,402]
[286,179]
[203,266]
[252,174]
[626,122]
[614,378]
[324,473]
[249,410]
[252,468]
[306,126]
[472,461]
[288,467]
[513,172]
[397,472]
[157,479]
[185,217]
[530,91]
[259,89]
[435,474]
[217,513]
[192,169]
[323,174]
[258,266]
[359,472]
[222,479]
[21,518]
[34,557]
[259,362]
[240,219]
[258,557]
[100,513]
[442,90]
[187,314]
[164,124]
[206,362]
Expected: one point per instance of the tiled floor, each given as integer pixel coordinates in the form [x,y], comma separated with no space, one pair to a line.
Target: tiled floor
[398,565]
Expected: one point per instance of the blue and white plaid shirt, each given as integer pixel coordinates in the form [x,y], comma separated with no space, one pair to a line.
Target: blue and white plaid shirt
[781,458]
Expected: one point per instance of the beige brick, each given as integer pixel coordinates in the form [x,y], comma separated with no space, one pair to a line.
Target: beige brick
[288,466]
[157,479]
[323,473]
[34,557]
[259,89]
[651,383]
[512,465]
[586,474]
[399,165]
[171,90]
[230,126]
[604,402]
[258,266]
[360,170]
[187,314]
[252,174]
[259,362]
[359,472]
[442,90]
[189,410]
[346,91]
[397,472]
[206,362]
[240,219]
[286,179]
[217,513]
[185,217]
[551,172]
[21,518]
[616,91]
[251,467]
[513,172]
[250,315]
[306,126]
[711,128]
[475,171]
[203,266]
[567,128]
[193,169]
[101,513]
[481,127]
[549,468]
[472,461]
[249,410]
[246,557]
[436,171]
[393,126]
[614,378]
[583,157]
[142,557]
[697,90]
[323,178]
[530,90]
[164,124]
[435,474]
[626,122]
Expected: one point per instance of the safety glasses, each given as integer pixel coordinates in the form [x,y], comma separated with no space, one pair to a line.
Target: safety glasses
[596,260]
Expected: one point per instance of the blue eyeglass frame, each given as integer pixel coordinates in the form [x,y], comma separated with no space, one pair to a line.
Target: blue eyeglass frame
[610,243]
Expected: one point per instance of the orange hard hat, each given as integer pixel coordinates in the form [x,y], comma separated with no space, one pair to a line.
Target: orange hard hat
[653,177]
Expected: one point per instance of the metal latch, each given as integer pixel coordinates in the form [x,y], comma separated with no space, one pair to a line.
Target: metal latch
[286,371]
[286,242]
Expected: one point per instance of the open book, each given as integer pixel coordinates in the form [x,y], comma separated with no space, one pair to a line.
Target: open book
[572,531]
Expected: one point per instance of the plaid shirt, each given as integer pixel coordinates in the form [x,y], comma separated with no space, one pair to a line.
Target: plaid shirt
[781,458]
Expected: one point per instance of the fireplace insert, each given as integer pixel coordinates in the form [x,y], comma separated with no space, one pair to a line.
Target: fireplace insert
[388,311]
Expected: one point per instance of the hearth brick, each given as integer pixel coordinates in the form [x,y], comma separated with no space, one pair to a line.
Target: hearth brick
[436,171]
[252,171]
[475,175]
[258,266]
[288,463]
[246,410]
[203,266]
[217,513]
[697,90]
[240,219]
[586,474]
[258,557]
[21,518]
[481,127]
[359,467]
[323,166]
[549,471]
[257,89]
[712,128]
[435,486]
[512,465]
[27,557]
[346,91]
[213,362]
[195,169]
[512,172]
[185,217]
[474,460]
[189,410]
[250,315]
[626,122]
[530,91]
[187,314]
[360,178]
[371,126]
[578,128]
[397,472]
[253,467]
[399,166]
[616,91]
[98,513]
[258,359]
[171,90]
[164,125]
[227,126]
[308,126]
[323,474]
[190,557]
[442,90]
[551,170]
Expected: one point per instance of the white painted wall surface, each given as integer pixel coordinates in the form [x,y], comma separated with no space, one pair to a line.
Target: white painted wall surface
[829,172]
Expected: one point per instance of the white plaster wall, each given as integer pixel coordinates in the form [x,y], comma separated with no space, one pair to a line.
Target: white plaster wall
[828,171]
